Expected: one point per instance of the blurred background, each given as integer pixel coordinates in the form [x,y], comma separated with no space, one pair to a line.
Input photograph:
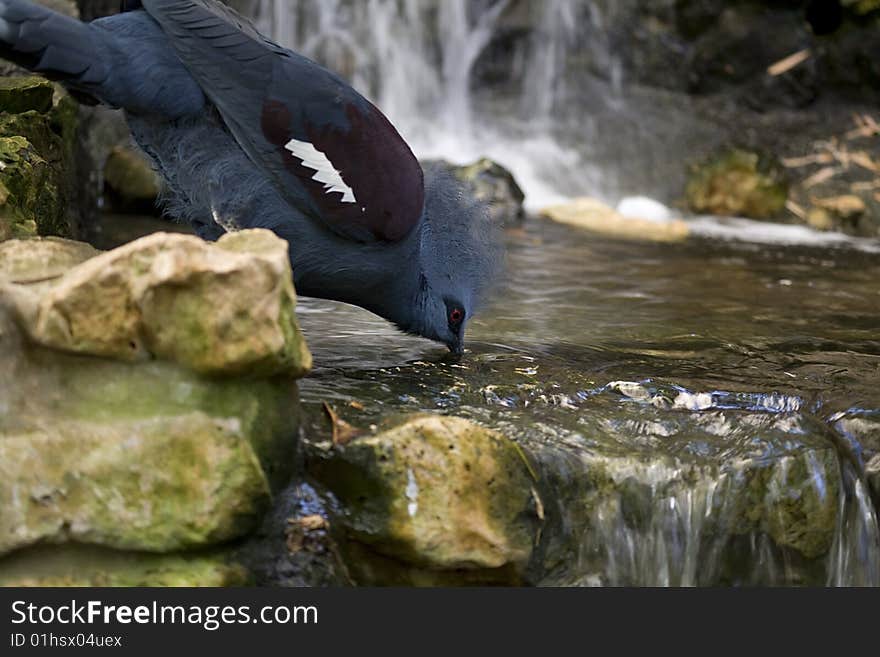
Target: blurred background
[670,99]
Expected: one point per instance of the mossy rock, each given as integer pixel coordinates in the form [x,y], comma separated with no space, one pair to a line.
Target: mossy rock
[88,566]
[130,178]
[148,457]
[171,449]
[32,201]
[738,183]
[862,7]
[222,309]
[38,169]
[23,94]
[432,500]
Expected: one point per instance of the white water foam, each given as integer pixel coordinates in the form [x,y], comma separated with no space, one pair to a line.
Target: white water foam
[762,232]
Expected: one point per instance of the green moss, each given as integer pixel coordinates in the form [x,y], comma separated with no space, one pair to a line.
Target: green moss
[107,391]
[32,157]
[436,493]
[155,485]
[130,176]
[36,128]
[33,195]
[738,183]
[863,7]
[39,169]
[77,565]
[64,120]
[22,94]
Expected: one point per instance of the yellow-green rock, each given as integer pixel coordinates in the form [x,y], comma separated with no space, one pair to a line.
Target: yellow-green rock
[128,174]
[87,566]
[160,453]
[38,168]
[29,192]
[224,308]
[433,500]
[22,94]
[145,456]
[737,183]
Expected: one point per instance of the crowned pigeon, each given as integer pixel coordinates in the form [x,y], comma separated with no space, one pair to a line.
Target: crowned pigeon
[248,134]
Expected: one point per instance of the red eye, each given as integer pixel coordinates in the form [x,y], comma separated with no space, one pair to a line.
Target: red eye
[456,316]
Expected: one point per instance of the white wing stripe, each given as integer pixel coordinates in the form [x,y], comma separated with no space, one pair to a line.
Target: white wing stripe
[325,172]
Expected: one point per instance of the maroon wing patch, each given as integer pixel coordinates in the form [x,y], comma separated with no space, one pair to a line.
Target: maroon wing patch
[362,179]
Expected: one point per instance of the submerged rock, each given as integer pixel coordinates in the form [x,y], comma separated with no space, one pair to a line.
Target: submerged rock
[432,500]
[861,432]
[737,183]
[144,453]
[664,487]
[595,216]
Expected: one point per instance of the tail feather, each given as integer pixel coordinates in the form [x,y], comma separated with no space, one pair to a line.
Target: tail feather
[123,60]
[60,47]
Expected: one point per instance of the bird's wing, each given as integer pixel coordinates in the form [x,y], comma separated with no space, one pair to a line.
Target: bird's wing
[331,152]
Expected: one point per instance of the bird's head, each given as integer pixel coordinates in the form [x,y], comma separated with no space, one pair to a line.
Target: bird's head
[459,256]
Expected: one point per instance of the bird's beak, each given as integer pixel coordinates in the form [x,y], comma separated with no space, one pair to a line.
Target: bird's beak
[457,347]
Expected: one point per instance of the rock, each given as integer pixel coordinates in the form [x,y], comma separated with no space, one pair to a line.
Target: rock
[848,207]
[42,259]
[86,566]
[39,176]
[130,179]
[156,484]
[66,7]
[145,454]
[431,500]
[25,94]
[216,309]
[141,457]
[861,7]
[737,183]
[820,219]
[661,486]
[743,41]
[27,188]
[861,433]
[595,216]
[295,547]
[492,184]
[872,472]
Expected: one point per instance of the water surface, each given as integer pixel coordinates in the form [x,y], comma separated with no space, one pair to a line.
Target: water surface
[689,369]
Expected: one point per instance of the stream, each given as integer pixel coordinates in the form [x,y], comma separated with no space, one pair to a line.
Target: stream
[714,384]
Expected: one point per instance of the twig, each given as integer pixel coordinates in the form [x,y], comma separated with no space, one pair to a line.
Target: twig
[821,176]
[796,210]
[790,62]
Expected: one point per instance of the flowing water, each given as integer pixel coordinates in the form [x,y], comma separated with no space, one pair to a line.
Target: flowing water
[705,381]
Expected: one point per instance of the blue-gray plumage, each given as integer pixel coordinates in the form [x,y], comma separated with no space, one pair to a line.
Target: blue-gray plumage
[248,134]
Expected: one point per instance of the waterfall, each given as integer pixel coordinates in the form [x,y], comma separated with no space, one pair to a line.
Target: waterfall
[416,58]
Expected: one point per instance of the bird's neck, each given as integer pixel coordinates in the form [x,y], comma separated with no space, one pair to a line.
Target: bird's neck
[383,278]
